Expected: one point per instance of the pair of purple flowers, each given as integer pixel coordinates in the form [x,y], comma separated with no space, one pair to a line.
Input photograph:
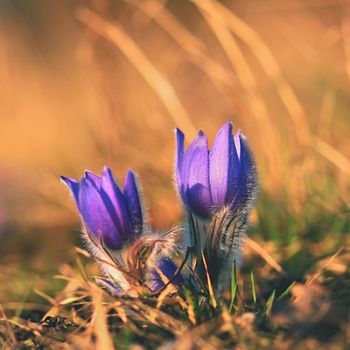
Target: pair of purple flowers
[209,183]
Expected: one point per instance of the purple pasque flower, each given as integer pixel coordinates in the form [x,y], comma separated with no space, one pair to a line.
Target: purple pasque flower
[210,180]
[167,272]
[156,278]
[108,213]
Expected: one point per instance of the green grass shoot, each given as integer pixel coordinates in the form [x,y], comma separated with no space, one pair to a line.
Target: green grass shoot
[234,286]
[253,287]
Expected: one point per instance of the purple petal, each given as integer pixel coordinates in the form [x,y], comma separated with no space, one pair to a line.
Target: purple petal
[96,216]
[132,200]
[246,192]
[179,157]
[224,166]
[93,177]
[114,201]
[195,177]
[73,185]
[168,268]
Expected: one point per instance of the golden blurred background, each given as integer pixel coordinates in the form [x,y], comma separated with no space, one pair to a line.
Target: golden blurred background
[89,83]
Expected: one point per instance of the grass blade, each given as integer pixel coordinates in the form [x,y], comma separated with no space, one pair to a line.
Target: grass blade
[268,306]
[234,285]
[253,287]
[287,291]
[210,286]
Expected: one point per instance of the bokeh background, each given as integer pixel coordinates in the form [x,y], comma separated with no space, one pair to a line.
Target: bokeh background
[89,83]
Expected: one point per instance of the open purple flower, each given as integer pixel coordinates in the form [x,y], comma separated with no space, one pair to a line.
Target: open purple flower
[222,177]
[108,213]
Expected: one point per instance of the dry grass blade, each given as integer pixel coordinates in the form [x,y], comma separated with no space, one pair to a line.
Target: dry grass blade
[169,289]
[83,252]
[332,155]
[154,316]
[229,20]
[44,296]
[118,37]
[99,322]
[263,54]
[210,286]
[71,300]
[191,44]
[249,83]
[31,327]
[264,254]
[345,27]
[319,273]
[190,307]
[162,276]
[121,312]
[7,325]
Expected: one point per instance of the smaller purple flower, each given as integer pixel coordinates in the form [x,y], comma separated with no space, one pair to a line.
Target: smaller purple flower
[169,269]
[210,180]
[108,213]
